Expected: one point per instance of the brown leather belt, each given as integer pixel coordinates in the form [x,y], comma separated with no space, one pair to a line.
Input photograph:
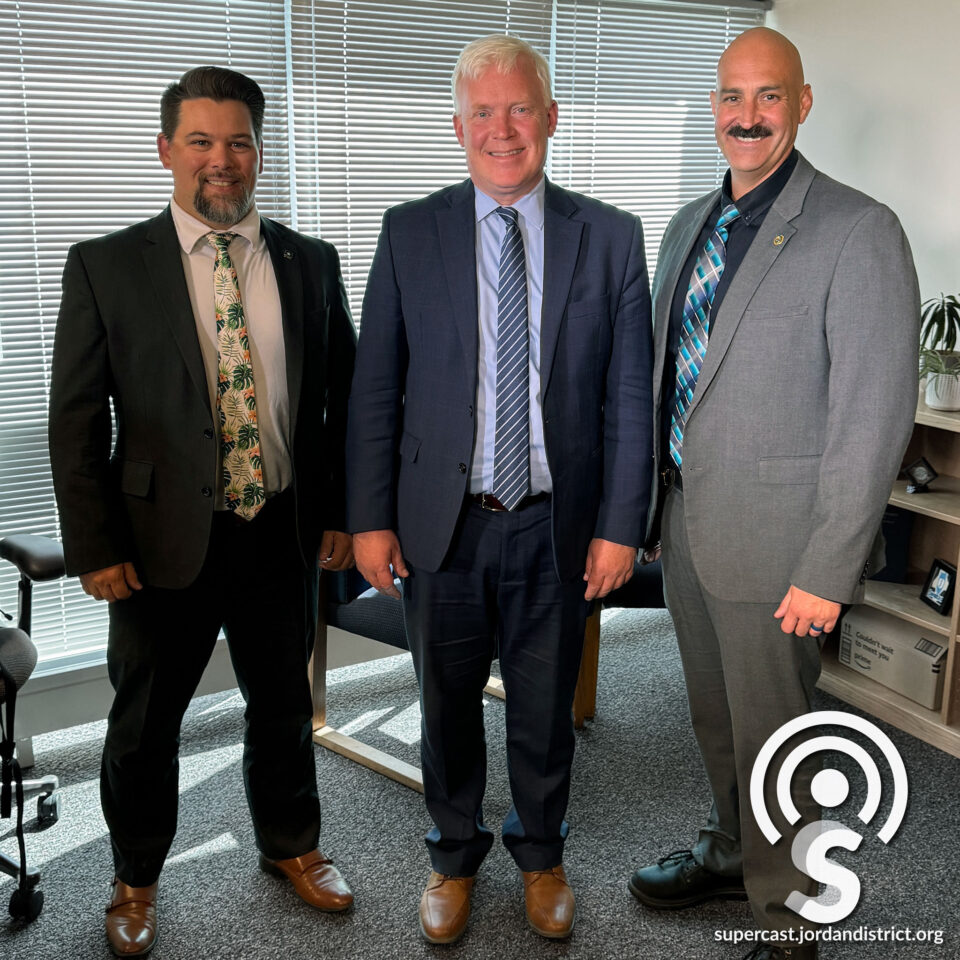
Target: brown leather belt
[489,502]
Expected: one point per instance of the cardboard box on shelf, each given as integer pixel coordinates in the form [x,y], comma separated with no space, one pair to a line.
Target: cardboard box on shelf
[898,654]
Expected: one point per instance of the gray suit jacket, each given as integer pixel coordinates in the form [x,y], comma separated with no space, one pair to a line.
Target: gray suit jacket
[806,399]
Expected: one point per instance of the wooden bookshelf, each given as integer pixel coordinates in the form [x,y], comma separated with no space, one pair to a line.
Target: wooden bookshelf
[936,533]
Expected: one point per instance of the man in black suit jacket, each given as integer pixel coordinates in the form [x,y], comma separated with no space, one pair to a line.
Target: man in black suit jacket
[224,342]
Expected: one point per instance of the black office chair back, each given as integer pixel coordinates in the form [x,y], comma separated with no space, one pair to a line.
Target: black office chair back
[18,657]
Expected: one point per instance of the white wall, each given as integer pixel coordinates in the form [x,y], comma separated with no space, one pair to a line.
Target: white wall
[886,119]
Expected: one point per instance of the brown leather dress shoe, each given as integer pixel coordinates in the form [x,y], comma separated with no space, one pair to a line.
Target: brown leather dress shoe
[132,919]
[551,908]
[315,879]
[445,907]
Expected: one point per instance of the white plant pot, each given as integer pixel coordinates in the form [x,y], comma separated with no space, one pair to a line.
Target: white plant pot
[943,392]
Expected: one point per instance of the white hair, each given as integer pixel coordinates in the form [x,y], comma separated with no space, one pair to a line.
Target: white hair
[501,51]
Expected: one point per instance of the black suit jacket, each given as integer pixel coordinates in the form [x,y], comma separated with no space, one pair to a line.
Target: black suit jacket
[126,333]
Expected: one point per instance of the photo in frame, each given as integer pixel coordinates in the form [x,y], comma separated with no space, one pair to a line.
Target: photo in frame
[920,473]
[938,590]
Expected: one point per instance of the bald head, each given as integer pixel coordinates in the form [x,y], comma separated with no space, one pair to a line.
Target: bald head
[760,101]
[761,44]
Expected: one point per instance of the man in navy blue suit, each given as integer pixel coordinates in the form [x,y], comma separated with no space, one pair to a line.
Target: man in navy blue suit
[499,456]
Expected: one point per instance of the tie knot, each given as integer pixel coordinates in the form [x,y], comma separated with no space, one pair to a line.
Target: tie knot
[508,214]
[221,241]
[728,214]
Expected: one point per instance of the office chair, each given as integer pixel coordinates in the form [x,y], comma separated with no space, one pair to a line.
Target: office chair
[37,559]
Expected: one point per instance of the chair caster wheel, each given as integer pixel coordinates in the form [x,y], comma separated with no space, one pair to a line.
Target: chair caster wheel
[48,809]
[26,907]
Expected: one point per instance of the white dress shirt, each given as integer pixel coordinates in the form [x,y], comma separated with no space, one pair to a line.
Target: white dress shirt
[490,231]
[262,314]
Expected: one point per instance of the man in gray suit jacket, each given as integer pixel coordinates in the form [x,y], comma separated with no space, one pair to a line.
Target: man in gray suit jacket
[224,343]
[786,321]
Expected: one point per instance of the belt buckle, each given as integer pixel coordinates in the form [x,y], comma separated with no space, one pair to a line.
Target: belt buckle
[669,477]
[489,502]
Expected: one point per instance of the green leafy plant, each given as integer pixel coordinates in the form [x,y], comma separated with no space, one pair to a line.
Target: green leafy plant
[940,323]
[938,363]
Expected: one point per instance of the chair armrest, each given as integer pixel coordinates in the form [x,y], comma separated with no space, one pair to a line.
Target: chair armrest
[37,558]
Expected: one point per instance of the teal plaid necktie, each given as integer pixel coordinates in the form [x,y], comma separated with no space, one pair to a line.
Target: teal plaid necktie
[695,329]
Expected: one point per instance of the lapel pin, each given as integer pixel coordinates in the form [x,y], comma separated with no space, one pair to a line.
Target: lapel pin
[778,239]
[288,254]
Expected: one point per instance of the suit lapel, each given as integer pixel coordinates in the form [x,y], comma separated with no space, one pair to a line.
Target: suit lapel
[671,262]
[769,243]
[457,229]
[287,268]
[561,247]
[164,267]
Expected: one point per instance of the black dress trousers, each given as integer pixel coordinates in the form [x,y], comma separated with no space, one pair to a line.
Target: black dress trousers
[253,584]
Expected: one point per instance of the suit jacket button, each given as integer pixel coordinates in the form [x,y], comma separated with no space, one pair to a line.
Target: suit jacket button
[207,434]
[462,467]
[206,491]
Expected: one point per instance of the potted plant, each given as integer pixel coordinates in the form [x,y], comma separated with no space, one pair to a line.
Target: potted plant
[939,361]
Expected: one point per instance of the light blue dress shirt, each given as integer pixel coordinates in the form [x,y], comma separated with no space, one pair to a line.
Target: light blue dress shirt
[490,231]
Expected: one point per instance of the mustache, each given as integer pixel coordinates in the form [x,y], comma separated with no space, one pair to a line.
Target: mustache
[757,131]
[219,175]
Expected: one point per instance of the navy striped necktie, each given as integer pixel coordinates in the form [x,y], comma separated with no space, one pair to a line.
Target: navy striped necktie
[511,457]
[695,329]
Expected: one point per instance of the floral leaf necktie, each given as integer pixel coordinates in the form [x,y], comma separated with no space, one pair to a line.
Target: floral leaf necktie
[241,464]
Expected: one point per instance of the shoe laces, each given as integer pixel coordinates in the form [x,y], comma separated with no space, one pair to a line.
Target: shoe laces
[536,875]
[441,878]
[678,856]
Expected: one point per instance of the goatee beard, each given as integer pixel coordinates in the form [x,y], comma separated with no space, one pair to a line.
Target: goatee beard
[225,211]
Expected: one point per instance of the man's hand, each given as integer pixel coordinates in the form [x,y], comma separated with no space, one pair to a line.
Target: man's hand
[336,551]
[805,613]
[609,565]
[111,583]
[375,551]
[650,554]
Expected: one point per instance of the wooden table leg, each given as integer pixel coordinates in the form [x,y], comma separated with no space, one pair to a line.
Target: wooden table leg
[332,739]
[585,697]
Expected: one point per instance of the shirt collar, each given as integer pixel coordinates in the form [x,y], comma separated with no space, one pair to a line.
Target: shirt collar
[761,197]
[192,232]
[530,207]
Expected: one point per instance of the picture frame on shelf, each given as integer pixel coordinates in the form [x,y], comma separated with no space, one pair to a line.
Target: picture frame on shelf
[921,474]
[938,590]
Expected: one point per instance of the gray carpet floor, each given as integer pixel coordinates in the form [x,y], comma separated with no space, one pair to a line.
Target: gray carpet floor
[638,792]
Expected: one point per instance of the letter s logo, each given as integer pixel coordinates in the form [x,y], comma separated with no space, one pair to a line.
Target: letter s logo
[809,855]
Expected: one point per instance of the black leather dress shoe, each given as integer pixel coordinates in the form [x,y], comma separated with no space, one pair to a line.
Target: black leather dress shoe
[677,880]
[770,951]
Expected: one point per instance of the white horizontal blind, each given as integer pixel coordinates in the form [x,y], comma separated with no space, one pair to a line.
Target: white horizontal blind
[80,87]
[633,81]
[358,105]
[373,112]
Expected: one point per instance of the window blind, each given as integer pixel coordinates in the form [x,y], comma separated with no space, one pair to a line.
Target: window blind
[373,112]
[358,118]
[79,114]
[633,81]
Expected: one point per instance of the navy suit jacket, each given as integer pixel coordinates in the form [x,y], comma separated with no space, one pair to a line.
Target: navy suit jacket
[411,420]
